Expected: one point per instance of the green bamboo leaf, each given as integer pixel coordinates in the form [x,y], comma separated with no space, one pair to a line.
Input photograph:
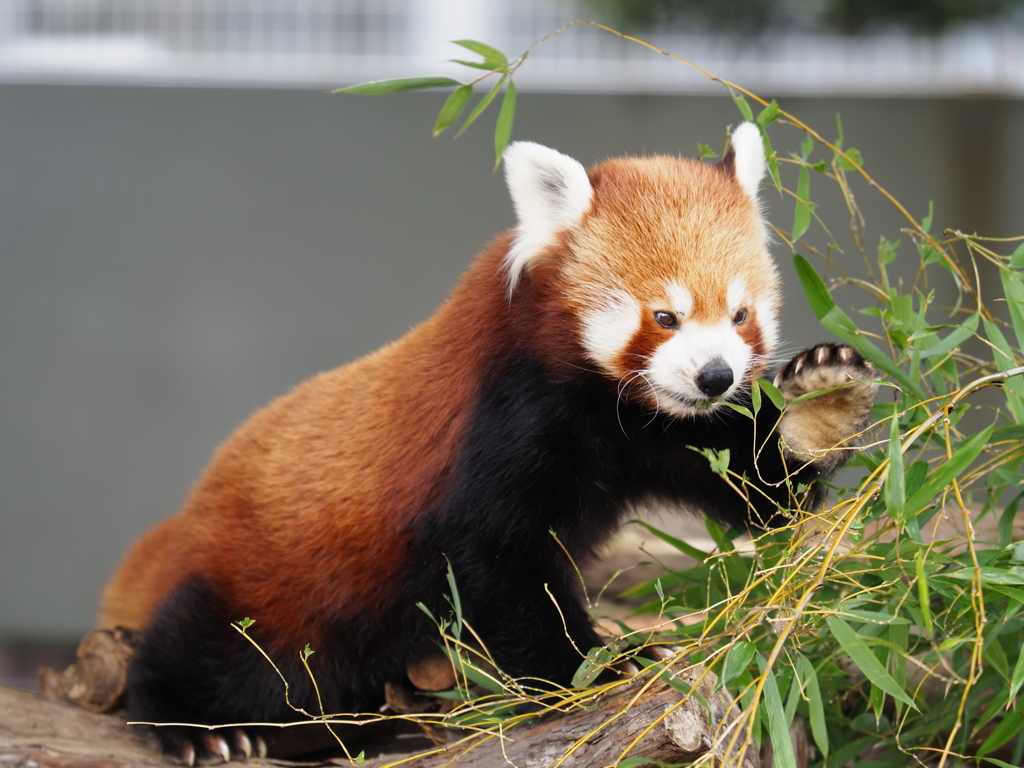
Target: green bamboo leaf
[769,114]
[999,763]
[957,337]
[802,213]
[474,64]
[472,672]
[492,57]
[741,104]
[852,161]
[503,129]
[923,593]
[687,549]
[482,104]
[961,459]
[1004,358]
[381,87]
[899,635]
[737,659]
[839,323]
[453,107]
[806,147]
[815,705]
[1012,576]
[774,393]
[739,409]
[895,490]
[1010,726]
[705,152]
[778,726]
[1013,287]
[1017,258]
[861,655]
[1017,678]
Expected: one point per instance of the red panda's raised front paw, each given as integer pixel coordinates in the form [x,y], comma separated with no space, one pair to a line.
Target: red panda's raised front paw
[823,429]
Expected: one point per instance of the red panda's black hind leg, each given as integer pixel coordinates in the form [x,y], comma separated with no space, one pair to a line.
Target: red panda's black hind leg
[192,667]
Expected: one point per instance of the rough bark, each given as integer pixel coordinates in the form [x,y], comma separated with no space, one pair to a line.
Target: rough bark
[41,733]
[63,728]
[637,719]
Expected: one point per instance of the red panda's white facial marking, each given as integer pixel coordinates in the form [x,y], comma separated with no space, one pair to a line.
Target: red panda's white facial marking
[608,329]
[702,363]
[688,364]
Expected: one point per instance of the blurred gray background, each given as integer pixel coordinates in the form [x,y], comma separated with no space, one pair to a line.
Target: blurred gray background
[181,239]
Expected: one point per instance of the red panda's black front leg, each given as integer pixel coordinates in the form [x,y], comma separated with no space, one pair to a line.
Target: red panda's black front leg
[527,609]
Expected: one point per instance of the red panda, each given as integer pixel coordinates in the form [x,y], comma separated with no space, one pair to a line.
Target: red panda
[569,376]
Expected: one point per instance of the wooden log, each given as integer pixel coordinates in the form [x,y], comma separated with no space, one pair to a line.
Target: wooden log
[39,733]
[638,718]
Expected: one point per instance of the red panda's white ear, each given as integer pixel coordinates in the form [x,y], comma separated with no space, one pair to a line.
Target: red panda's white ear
[550,192]
[748,163]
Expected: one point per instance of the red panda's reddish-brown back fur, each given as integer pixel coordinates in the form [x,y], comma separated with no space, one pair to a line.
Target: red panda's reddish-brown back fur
[566,379]
[375,438]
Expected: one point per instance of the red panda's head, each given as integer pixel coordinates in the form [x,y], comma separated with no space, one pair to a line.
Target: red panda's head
[663,265]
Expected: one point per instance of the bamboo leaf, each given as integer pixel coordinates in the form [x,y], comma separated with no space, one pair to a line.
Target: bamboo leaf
[1004,358]
[453,107]
[895,490]
[956,337]
[774,393]
[769,114]
[961,459]
[778,726]
[923,593]
[381,87]
[1017,678]
[503,129]
[802,213]
[1010,726]
[861,655]
[741,104]
[682,546]
[492,57]
[482,104]
[815,705]
[1017,258]
[1013,287]
[737,659]
[474,64]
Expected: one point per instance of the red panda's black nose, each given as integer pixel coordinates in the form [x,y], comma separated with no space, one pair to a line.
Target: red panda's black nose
[715,377]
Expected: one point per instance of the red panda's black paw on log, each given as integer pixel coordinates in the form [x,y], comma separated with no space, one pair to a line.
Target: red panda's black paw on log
[197,746]
[823,430]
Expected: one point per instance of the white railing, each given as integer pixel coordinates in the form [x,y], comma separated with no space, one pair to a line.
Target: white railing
[325,43]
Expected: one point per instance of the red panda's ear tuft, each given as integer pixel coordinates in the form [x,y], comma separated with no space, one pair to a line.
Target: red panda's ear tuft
[550,192]
[745,158]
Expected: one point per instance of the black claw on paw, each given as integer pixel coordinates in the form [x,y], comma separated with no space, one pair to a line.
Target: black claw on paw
[827,364]
[195,746]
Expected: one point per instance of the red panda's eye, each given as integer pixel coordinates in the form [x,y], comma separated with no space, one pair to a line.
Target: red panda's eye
[666,320]
[739,317]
